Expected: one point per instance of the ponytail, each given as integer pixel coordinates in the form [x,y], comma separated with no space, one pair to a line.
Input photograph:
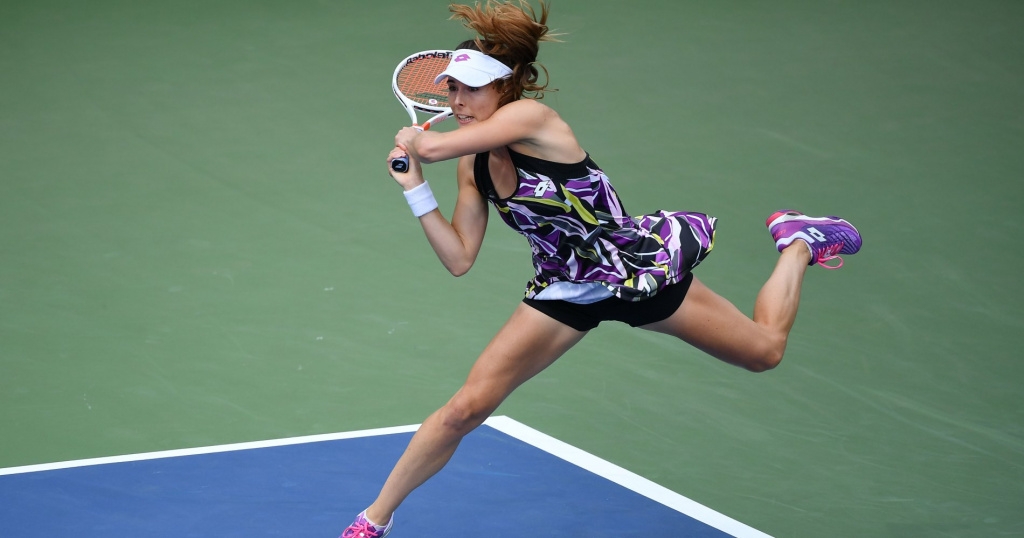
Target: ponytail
[510,34]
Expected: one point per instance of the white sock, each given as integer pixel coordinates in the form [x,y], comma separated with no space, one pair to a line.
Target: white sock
[376,526]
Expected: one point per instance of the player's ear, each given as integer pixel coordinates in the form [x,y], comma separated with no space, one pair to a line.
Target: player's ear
[504,87]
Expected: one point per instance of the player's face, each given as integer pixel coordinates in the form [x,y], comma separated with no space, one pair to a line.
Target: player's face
[472,104]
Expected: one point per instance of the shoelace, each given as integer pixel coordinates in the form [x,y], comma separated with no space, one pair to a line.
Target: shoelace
[830,253]
[360,529]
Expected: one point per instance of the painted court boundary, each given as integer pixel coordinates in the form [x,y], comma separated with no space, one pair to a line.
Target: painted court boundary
[506,425]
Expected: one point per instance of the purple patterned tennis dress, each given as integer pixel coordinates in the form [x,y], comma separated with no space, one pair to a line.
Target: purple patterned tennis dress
[580,233]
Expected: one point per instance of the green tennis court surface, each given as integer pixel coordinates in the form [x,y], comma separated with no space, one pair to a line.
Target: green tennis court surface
[199,245]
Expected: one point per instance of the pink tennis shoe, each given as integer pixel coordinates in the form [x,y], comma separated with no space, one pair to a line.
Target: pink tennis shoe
[363,528]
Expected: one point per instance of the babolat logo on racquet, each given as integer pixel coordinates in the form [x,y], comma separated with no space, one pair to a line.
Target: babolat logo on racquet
[446,54]
[400,165]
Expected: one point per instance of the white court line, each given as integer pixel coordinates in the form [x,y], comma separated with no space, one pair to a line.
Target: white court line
[622,477]
[208,450]
[508,426]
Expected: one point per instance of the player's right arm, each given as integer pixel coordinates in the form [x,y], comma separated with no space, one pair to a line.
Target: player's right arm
[458,242]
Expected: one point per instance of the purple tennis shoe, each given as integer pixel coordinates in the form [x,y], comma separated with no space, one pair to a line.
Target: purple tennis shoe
[828,237]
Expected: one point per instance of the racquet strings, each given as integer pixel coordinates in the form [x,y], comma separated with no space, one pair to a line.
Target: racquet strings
[416,82]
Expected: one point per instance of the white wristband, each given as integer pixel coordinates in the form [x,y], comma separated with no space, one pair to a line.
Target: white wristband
[421,199]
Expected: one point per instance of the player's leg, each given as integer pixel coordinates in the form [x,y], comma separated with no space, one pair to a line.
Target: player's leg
[714,325]
[528,343]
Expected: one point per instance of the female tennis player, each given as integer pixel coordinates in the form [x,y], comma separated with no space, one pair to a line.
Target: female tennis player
[594,262]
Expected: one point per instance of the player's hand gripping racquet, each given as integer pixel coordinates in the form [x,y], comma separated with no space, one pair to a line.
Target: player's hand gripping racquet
[414,87]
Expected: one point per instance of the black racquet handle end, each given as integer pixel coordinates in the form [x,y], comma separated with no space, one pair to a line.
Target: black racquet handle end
[400,165]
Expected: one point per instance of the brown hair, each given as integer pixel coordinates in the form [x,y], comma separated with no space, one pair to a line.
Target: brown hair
[510,34]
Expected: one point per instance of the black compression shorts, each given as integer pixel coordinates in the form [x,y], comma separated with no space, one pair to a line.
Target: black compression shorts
[584,317]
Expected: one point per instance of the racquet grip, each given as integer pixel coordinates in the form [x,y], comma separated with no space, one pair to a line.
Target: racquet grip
[400,165]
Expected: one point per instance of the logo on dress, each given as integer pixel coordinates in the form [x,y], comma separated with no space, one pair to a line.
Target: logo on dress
[545,185]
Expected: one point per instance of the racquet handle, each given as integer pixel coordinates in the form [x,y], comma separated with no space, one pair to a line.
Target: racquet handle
[400,165]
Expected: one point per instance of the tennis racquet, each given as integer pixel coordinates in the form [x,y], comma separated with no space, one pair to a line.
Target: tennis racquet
[414,87]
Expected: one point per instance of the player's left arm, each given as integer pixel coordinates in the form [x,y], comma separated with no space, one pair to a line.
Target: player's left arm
[516,122]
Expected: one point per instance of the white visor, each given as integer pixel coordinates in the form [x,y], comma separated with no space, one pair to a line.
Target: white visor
[474,68]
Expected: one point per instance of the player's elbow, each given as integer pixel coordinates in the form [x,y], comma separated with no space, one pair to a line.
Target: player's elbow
[428,150]
[459,269]
[458,265]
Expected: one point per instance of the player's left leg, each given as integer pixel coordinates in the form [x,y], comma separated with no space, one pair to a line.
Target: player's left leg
[714,325]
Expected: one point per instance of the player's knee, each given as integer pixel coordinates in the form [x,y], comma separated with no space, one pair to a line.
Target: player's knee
[462,413]
[768,357]
[764,363]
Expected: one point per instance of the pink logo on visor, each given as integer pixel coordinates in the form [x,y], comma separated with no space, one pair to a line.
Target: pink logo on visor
[461,58]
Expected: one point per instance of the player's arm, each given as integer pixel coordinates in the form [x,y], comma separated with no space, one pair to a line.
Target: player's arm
[458,242]
[517,122]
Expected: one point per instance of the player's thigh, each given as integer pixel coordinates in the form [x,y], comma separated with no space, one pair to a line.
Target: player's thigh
[527,344]
[714,325]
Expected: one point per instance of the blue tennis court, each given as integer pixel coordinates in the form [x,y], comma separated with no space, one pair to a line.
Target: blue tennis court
[506,480]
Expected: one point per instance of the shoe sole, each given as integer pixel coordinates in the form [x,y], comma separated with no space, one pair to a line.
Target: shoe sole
[787,215]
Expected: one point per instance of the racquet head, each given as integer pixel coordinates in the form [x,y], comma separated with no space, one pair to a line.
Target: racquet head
[413,84]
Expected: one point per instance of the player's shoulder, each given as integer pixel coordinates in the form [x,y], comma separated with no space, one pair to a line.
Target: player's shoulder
[525,109]
[527,112]
[527,106]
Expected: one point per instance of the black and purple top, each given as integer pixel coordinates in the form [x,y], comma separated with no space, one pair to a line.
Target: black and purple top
[580,233]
